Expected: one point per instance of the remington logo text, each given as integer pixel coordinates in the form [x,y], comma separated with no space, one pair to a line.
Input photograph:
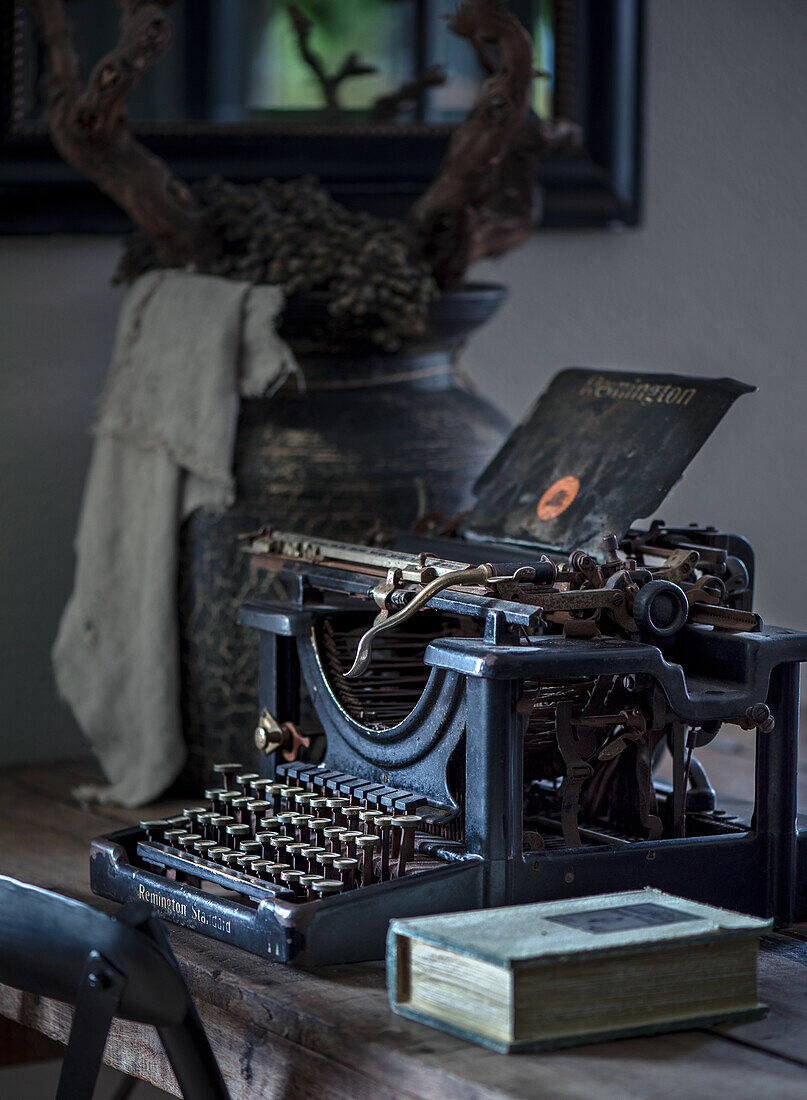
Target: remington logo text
[646,393]
[162,902]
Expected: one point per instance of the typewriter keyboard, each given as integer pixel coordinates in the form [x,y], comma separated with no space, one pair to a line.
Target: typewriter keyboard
[308,833]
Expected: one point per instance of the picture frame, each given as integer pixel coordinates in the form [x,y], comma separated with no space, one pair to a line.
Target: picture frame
[598,84]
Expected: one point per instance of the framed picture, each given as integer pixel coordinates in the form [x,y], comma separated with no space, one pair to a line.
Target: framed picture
[245,91]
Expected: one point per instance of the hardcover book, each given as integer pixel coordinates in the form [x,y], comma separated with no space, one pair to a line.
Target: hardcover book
[531,977]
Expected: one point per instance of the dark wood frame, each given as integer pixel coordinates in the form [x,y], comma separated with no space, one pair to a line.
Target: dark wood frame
[378,167]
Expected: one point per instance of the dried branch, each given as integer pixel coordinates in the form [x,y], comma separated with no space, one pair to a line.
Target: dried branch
[351,66]
[387,107]
[449,225]
[514,208]
[88,126]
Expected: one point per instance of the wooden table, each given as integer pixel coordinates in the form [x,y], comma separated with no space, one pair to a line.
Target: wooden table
[281,1032]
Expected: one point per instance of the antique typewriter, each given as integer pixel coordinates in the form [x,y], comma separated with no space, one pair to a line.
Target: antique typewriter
[501,713]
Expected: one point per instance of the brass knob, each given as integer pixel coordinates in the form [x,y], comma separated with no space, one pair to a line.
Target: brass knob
[269,735]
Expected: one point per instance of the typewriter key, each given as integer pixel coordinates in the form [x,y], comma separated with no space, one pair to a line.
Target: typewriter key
[281,842]
[367,845]
[405,826]
[194,811]
[219,825]
[268,871]
[317,826]
[272,794]
[171,836]
[214,794]
[250,847]
[318,804]
[260,806]
[202,847]
[271,823]
[303,800]
[294,852]
[383,827]
[238,831]
[205,821]
[310,855]
[257,807]
[218,852]
[348,842]
[239,805]
[273,871]
[287,819]
[346,869]
[368,818]
[303,826]
[264,839]
[227,771]
[258,786]
[246,862]
[155,829]
[306,883]
[333,835]
[231,858]
[288,795]
[244,780]
[292,880]
[336,805]
[226,801]
[326,860]
[351,816]
[327,886]
[187,840]
[180,819]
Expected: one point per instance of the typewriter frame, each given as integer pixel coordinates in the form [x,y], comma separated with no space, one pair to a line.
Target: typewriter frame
[541,684]
[755,872]
[473,685]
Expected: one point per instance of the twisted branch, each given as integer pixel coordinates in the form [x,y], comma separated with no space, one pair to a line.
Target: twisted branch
[88,126]
[450,225]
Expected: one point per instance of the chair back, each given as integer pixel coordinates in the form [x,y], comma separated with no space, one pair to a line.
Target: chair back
[106,966]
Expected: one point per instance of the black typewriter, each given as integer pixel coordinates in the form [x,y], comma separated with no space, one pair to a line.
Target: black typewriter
[480,718]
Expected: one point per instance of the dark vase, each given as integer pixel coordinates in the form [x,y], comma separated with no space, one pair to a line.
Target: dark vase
[375,437]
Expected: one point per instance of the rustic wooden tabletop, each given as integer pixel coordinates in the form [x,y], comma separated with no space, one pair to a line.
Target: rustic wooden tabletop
[283,1032]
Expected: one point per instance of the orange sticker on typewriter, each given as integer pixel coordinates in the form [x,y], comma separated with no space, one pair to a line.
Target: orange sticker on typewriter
[558,497]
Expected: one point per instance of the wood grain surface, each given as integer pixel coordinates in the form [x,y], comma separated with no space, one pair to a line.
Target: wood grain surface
[283,1032]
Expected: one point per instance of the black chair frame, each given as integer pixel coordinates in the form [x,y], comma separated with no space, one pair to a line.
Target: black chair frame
[106,966]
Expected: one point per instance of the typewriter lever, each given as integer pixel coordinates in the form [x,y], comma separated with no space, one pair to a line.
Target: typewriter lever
[383,594]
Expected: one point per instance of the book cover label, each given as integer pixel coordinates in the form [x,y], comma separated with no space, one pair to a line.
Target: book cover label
[620,918]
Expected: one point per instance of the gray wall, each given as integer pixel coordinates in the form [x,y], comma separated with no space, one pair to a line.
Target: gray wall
[712,283]
[57,321]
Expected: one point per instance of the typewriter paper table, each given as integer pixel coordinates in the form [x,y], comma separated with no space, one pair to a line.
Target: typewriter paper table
[281,1032]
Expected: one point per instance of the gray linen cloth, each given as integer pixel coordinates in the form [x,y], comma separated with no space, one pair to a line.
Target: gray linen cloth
[186,346]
